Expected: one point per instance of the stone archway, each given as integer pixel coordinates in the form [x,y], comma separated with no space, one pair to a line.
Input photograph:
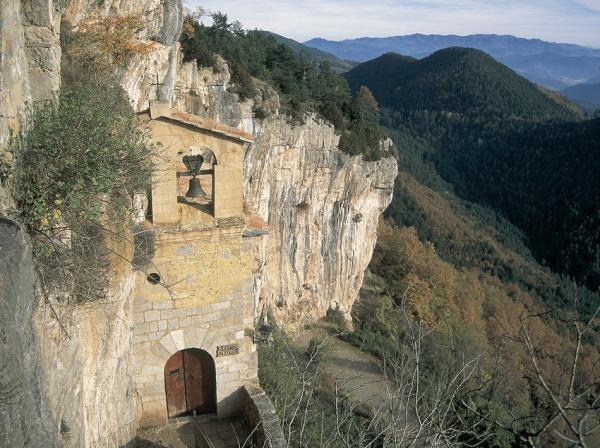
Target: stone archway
[190,383]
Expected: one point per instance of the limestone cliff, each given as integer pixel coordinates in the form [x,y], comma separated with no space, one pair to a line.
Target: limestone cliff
[322,208]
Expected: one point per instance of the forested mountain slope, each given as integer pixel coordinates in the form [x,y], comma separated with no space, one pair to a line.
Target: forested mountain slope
[493,186]
[458,80]
[500,142]
[314,54]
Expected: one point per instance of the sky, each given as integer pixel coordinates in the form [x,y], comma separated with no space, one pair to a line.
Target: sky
[571,21]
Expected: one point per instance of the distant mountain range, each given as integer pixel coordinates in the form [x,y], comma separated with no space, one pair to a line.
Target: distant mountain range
[553,65]
[587,95]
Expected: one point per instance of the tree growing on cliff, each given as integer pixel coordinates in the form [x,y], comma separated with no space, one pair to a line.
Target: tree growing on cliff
[364,135]
[365,107]
[100,45]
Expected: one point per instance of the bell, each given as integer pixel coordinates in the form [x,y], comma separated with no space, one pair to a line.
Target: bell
[194,189]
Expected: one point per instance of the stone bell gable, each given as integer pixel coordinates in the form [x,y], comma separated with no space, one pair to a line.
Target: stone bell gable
[193,311]
[181,134]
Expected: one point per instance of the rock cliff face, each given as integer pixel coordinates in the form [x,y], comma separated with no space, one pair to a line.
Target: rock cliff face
[321,207]
[29,65]
[65,371]
[25,417]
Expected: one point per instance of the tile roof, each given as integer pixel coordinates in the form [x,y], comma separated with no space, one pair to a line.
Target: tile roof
[202,123]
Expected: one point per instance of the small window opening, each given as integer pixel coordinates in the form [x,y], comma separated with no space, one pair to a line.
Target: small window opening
[153,278]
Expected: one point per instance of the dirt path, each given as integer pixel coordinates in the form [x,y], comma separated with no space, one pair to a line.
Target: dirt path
[357,374]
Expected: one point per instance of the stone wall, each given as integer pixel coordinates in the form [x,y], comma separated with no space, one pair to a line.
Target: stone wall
[204,301]
[260,420]
[179,135]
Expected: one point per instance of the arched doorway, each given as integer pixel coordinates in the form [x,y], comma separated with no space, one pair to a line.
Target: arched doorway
[190,383]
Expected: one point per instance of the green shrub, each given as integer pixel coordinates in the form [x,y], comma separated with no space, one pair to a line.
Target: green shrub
[84,155]
[336,317]
[242,81]
[76,171]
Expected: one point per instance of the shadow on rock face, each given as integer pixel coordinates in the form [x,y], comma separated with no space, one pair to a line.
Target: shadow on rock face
[140,442]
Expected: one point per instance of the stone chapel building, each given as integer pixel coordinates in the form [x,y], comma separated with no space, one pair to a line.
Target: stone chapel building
[193,311]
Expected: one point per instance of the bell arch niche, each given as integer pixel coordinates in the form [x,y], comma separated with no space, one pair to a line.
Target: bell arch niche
[190,383]
[195,174]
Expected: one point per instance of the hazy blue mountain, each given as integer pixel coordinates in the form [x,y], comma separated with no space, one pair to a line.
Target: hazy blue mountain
[587,95]
[553,65]
[337,64]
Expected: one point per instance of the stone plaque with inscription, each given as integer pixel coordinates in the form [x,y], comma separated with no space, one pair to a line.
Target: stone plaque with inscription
[228,350]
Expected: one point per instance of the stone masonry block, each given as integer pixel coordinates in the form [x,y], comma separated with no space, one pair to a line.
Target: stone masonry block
[237,367]
[156,336]
[168,314]
[153,389]
[184,250]
[173,324]
[211,317]
[140,305]
[168,344]
[221,305]
[152,315]
[187,312]
[140,338]
[147,399]
[148,327]
[179,339]
[185,322]
[166,304]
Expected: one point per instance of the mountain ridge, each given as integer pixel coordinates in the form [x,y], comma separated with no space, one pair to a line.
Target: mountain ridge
[502,142]
[462,80]
[550,64]
[586,94]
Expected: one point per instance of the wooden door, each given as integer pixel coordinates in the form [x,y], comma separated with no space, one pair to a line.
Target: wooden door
[175,385]
[194,384]
[190,383]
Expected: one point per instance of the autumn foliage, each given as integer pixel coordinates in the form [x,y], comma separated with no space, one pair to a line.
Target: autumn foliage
[104,43]
[476,315]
